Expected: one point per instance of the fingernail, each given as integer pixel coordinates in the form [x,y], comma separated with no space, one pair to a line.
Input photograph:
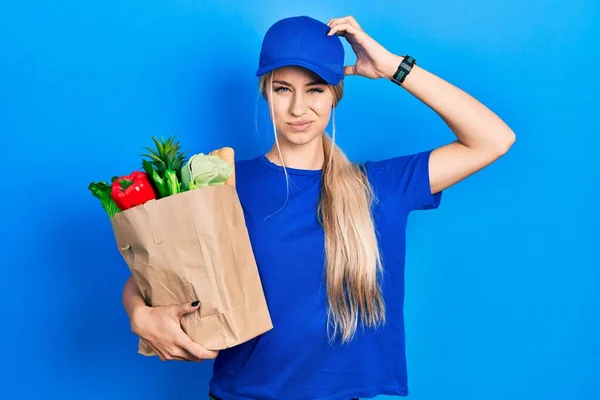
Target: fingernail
[194,304]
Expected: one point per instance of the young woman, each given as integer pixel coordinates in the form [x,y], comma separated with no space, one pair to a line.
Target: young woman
[329,234]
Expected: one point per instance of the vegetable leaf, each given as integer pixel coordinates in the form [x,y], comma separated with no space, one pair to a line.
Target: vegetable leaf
[102,191]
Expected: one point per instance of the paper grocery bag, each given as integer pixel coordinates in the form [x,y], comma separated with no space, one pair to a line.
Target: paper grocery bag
[195,246]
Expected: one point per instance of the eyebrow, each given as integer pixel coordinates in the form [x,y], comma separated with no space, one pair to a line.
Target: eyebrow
[313,83]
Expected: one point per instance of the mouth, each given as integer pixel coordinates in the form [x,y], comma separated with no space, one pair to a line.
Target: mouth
[300,126]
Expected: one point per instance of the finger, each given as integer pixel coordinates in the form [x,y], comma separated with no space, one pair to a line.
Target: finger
[156,351]
[187,308]
[172,357]
[180,349]
[336,21]
[194,349]
[331,21]
[342,29]
[190,357]
[176,358]
[354,22]
[350,70]
[349,20]
[178,353]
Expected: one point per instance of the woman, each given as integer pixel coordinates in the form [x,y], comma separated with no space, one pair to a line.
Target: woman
[328,234]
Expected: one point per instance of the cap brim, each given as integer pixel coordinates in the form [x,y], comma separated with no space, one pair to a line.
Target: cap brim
[327,74]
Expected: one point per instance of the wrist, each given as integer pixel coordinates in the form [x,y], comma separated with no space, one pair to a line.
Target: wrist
[391,66]
[406,65]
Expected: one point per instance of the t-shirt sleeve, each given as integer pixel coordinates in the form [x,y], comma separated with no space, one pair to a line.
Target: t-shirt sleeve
[407,179]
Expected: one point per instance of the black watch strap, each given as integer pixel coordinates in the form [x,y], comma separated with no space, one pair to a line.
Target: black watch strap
[403,70]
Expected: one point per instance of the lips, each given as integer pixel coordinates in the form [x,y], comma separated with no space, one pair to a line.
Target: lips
[300,126]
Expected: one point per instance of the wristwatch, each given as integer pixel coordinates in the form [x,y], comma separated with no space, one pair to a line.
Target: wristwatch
[403,70]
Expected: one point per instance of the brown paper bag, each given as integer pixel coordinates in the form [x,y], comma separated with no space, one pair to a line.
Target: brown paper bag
[195,246]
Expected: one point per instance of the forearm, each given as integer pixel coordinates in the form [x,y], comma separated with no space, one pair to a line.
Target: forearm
[132,297]
[474,125]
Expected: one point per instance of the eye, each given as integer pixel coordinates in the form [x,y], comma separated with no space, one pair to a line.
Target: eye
[316,90]
[280,89]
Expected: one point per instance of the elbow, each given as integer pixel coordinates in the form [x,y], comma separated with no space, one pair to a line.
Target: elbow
[509,140]
[503,143]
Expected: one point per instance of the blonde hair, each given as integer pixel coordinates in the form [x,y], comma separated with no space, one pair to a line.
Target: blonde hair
[353,262]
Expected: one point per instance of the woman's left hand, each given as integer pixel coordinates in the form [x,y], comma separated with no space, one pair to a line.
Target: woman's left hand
[373,60]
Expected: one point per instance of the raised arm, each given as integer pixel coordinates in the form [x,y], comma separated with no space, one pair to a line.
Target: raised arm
[482,137]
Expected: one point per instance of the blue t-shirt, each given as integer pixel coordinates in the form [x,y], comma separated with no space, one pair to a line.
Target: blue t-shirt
[294,360]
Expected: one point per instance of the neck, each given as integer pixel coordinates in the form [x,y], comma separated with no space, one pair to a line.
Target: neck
[306,156]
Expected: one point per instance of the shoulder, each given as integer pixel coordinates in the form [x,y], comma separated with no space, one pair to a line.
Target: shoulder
[246,166]
[405,177]
[246,162]
[403,164]
[250,173]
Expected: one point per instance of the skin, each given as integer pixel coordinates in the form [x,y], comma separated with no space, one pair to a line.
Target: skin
[160,327]
[302,104]
[481,138]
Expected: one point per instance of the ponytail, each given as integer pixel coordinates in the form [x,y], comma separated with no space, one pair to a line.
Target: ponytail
[352,258]
[353,261]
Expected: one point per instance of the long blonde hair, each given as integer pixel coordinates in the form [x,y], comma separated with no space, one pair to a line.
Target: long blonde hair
[353,262]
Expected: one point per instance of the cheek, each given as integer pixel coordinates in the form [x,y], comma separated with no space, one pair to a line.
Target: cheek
[280,108]
[322,103]
[322,107]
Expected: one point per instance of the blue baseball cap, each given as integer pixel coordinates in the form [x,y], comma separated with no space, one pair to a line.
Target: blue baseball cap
[302,41]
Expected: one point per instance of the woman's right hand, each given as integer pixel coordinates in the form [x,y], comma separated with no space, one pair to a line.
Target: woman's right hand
[160,328]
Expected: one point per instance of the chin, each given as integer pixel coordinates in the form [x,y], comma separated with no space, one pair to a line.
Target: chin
[300,138]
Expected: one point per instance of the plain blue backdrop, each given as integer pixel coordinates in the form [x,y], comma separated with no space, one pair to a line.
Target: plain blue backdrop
[502,281]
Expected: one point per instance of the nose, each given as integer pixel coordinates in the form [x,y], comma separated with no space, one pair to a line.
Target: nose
[298,107]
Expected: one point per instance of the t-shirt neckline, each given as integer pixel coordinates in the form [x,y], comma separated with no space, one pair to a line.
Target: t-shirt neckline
[292,171]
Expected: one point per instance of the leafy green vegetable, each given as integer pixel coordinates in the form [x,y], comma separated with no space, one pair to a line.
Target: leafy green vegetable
[102,191]
[205,170]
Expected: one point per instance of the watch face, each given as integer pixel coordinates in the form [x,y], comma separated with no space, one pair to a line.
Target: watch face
[404,69]
[400,75]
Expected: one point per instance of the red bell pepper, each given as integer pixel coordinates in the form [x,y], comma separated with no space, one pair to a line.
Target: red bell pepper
[132,190]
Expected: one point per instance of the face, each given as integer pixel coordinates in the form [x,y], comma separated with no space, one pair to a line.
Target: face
[301,103]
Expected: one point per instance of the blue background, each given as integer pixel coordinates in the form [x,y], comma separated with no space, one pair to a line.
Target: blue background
[502,281]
